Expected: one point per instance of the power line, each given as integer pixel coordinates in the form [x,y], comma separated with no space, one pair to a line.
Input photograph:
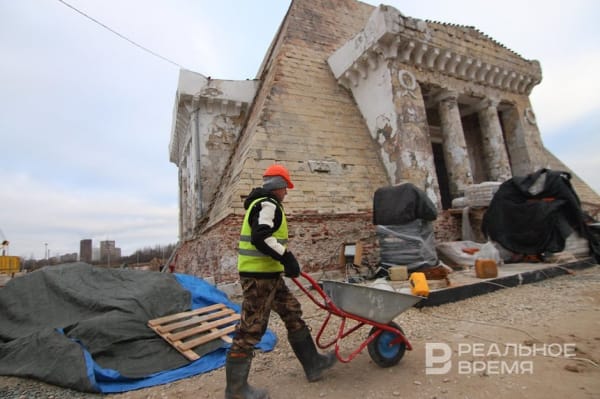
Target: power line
[120,35]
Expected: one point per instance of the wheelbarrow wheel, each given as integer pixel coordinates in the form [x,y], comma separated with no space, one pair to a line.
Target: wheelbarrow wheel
[383,353]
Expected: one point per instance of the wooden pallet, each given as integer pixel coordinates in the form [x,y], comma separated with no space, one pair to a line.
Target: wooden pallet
[188,330]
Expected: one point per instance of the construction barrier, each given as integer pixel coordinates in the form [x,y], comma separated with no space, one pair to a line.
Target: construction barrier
[10,264]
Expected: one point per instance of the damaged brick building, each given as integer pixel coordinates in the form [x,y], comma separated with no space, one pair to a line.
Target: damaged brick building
[351,98]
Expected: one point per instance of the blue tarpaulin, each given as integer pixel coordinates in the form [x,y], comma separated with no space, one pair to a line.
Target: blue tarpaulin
[203,294]
[84,327]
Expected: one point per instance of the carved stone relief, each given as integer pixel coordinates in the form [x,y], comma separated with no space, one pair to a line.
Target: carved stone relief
[530,116]
[408,83]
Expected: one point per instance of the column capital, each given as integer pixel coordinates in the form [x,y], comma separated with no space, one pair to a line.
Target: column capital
[486,103]
[446,95]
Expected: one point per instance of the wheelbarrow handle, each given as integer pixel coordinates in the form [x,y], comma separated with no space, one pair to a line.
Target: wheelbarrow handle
[307,277]
[325,302]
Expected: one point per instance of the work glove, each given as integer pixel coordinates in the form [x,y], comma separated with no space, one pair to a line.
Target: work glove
[290,264]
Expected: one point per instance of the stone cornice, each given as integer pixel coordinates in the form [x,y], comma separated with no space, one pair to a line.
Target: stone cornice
[388,35]
[197,93]
[221,106]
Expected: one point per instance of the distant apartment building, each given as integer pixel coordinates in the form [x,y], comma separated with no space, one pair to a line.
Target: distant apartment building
[109,252]
[85,250]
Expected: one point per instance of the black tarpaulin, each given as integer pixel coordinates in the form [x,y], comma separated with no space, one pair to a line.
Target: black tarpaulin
[400,204]
[534,214]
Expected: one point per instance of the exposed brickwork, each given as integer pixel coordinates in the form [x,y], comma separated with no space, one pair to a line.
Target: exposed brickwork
[315,240]
[447,226]
[213,254]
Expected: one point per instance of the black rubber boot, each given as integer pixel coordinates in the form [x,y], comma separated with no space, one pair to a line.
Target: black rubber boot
[312,361]
[236,373]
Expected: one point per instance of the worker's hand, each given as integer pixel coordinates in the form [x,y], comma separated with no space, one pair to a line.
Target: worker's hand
[290,265]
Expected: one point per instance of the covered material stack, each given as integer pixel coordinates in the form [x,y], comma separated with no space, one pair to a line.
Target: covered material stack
[403,216]
[535,214]
[85,327]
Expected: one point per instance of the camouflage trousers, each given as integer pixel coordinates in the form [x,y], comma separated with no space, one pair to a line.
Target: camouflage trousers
[260,296]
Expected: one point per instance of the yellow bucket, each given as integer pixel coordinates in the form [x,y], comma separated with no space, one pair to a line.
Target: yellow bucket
[418,284]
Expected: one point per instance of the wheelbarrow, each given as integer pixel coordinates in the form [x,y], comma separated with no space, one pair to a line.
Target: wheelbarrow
[366,306]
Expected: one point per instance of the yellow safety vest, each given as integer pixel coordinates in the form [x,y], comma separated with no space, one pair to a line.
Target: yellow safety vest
[250,259]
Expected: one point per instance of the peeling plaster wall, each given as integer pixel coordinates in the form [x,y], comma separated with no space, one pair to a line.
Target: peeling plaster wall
[208,118]
[514,135]
[397,121]
[188,190]
[375,99]
[217,138]
[531,135]
[414,152]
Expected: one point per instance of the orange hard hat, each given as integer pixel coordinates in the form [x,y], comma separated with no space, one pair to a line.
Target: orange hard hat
[279,170]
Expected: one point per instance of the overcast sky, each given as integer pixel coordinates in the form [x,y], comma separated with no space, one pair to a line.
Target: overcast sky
[85,116]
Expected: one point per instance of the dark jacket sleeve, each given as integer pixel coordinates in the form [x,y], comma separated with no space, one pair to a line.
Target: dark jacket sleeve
[260,232]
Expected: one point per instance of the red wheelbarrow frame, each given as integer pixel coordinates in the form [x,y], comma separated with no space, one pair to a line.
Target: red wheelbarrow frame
[332,309]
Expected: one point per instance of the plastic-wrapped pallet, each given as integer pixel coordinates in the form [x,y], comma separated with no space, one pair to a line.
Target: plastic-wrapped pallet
[411,244]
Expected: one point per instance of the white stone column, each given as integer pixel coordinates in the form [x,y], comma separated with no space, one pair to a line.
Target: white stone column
[494,149]
[523,140]
[454,145]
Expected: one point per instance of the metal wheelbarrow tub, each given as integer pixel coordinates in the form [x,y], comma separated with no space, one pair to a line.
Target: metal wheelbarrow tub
[380,306]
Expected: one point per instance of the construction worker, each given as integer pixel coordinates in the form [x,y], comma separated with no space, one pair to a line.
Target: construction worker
[263,258]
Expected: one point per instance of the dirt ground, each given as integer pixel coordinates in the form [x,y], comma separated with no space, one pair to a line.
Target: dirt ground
[556,317]
[490,338]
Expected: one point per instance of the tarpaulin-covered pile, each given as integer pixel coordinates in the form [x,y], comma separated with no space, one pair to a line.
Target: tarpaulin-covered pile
[535,214]
[403,215]
[85,327]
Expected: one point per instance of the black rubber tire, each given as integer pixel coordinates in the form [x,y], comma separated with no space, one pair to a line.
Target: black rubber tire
[380,351]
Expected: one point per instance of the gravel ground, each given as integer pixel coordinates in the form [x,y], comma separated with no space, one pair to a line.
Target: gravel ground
[523,313]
